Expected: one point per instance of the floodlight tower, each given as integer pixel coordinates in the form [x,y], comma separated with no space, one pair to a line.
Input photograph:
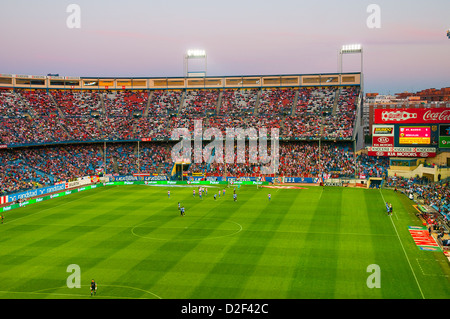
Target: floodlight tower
[352,49]
[195,55]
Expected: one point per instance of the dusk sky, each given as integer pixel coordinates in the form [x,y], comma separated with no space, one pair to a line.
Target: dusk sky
[408,52]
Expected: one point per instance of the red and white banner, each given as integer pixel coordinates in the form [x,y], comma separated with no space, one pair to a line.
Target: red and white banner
[382,141]
[402,151]
[3,199]
[438,115]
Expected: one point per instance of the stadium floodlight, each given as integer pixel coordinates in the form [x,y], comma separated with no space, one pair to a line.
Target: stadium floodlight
[352,49]
[195,54]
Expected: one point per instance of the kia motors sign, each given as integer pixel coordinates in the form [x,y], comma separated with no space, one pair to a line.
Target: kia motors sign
[382,141]
[402,151]
[436,115]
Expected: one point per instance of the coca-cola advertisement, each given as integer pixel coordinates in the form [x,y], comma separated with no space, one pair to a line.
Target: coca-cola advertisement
[412,116]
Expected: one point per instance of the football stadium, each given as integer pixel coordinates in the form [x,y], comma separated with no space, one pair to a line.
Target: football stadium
[221,187]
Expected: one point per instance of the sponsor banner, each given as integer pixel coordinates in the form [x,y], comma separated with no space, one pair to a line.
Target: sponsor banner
[131,178]
[195,178]
[244,179]
[412,116]
[382,135]
[383,130]
[124,178]
[422,238]
[402,151]
[444,141]
[36,192]
[3,146]
[382,141]
[306,180]
[77,183]
[444,136]
[401,154]
[3,199]
[332,182]
[40,199]
[154,178]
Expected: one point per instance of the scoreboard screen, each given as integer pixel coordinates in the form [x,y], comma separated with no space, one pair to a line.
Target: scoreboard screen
[414,135]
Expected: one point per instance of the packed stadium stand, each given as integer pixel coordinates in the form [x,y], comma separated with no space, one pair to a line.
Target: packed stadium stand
[54,135]
[41,116]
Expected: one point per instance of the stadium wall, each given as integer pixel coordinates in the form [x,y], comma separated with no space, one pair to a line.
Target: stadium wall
[242,81]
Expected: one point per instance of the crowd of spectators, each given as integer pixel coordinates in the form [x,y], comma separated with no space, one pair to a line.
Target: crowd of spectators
[38,116]
[65,162]
[76,116]
[340,124]
[15,176]
[308,160]
[40,102]
[238,102]
[25,168]
[163,103]
[435,196]
[12,106]
[371,166]
[124,103]
[77,103]
[276,101]
[199,103]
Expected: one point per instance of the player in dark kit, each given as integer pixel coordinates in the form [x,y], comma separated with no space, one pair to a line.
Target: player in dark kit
[93,287]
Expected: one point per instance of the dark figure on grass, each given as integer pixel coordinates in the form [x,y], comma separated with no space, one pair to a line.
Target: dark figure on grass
[93,287]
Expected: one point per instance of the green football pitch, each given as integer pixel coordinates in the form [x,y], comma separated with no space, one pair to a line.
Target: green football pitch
[304,243]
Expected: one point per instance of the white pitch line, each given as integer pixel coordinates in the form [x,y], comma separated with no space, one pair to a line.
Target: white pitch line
[404,251]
